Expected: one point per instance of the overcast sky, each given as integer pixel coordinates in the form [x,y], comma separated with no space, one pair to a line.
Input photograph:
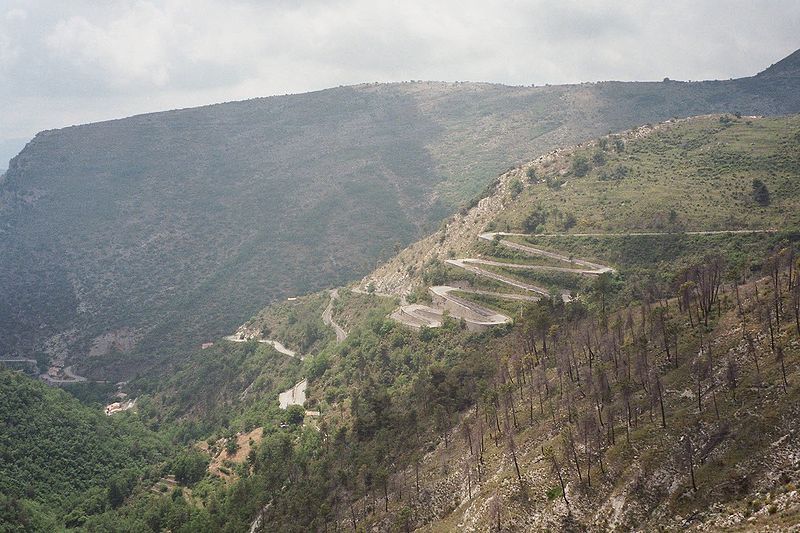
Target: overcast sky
[66,62]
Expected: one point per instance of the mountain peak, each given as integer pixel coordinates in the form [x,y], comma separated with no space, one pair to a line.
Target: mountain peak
[790,65]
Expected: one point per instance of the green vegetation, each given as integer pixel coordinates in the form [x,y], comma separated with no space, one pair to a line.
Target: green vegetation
[697,174]
[760,192]
[206,392]
[199,217]
[297,324]
[61,459]
[668,389]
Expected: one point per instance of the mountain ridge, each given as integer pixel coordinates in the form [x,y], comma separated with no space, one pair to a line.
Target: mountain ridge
[217,209]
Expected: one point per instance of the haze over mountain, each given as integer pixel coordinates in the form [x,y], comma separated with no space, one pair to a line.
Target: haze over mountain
[158,231]
[8,149]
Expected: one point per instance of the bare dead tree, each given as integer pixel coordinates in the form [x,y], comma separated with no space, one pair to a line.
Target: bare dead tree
[569,440]
[701,370]
[731,375]
[704,280]
[556,466]
[780,357]
[495,510]
[627,393]
[658,392]
[466,431]
[688,452]
[511,446]
[467,469]
[766,317]
[796,306]
[751,350]
[686,298]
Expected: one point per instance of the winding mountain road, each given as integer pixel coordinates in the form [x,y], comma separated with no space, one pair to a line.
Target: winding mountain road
[296,395]
[279,347]
[327,317]
[478,317]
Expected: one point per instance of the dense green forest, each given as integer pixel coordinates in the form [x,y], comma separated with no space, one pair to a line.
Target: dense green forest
[62,460]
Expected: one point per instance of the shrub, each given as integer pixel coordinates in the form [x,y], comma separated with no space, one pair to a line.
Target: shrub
[554,183]
[295,415]
[599,159]
[536,218]
[580,166]
[760,192]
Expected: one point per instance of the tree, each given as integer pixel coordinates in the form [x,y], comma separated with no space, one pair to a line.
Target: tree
[190,467]
[295,415]
[536,218]
[688,452]
[556,467]
[121,484]
[731,373]
[511,446]
[602,287]
[514,187]
[760,192]
[599,158]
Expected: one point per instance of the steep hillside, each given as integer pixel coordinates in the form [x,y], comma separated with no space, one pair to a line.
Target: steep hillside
[686,175]
[661,392]
[146,235]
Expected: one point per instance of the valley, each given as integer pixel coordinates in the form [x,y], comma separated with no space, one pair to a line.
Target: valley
[181,241]
[604,337]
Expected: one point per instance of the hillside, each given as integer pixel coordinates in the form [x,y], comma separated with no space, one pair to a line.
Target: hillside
[678,176]
[131,240]
[62,460]
[661,393]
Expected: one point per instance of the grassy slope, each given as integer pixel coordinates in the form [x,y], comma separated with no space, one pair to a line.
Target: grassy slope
[699,168]
[181,224]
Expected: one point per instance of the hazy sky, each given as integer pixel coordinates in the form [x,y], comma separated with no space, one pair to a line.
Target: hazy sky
[65,62]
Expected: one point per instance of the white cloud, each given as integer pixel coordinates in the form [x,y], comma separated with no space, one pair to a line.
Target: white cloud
[16,15]
[8,52]
[127,50]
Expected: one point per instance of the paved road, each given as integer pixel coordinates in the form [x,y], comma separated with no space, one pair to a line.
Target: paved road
[594,268]
[275,344]
[545,268]
[71,377]
[19,360]
[296,395]
[461,263]
[417,315]
[327,317]
[633,233]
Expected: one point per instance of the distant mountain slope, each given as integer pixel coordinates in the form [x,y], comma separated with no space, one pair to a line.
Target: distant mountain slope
[8,149]
[164,229]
